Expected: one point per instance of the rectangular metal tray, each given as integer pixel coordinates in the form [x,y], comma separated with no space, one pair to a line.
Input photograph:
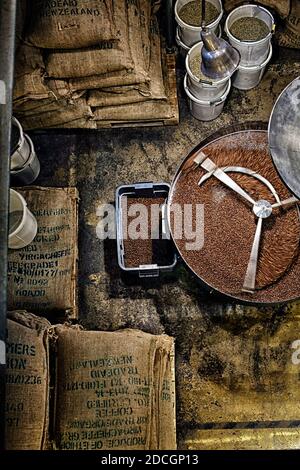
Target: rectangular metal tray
[146,189]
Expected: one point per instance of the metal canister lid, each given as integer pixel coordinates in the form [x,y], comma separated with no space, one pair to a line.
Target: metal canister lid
[284,136]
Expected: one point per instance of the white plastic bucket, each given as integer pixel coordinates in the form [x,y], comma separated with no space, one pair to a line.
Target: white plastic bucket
[247,78]
[206,110]
[188,34]
[183,48]
[28,173]
[203,89]
[252,52]
[22,223]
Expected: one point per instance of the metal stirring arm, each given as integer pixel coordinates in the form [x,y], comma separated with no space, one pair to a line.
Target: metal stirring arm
[286,202]
[262,209]
[210,166]
[250,277]
[245,171]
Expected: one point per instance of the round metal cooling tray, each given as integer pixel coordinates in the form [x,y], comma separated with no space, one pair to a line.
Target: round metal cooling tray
[284,136]
[235,229]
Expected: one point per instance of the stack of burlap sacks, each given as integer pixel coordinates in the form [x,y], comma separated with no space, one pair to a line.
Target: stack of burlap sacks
[69,389]
[86,62]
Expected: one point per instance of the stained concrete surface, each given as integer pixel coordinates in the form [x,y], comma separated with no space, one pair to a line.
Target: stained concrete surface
[97,162]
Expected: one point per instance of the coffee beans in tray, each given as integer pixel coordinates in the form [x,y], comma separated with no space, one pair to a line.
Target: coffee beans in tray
[143,240]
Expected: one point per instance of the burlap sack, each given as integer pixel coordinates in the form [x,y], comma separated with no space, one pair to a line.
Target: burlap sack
[164,433]
[154,90]
[99,98]
[109,390]
[81,123]
[30,86]
[147,111]
[29,71]
[143,88]
[64,24]
[113,63]
[28,58]
[29,106]
[58,113]
[107,56]
[27,382]
[145,18]
[290,36]
[123,77]
[137,39]
[157,87]
[282,7]
[30,83]
[51,120]
[61,89]
[108,70]
[42,277]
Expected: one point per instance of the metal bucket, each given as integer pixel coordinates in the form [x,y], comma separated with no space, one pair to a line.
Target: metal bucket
[203,89]
[20,148]
[24,164]
[247,78]
[188,34]
[30,170]
[183,48]
[23,227]
[254,52]
[206,110]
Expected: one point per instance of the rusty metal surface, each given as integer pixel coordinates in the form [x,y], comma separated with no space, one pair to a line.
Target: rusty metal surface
[229,359]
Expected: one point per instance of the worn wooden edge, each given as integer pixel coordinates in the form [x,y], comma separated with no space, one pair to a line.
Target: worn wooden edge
[169,73]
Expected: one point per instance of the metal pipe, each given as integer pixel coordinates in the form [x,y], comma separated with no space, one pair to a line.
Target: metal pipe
[170,25]
[203,13]
[7,44]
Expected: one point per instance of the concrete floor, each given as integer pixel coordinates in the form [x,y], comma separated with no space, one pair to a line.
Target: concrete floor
[97,162]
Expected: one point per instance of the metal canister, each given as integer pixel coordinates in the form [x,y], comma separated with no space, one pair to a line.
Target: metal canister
[24,164]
